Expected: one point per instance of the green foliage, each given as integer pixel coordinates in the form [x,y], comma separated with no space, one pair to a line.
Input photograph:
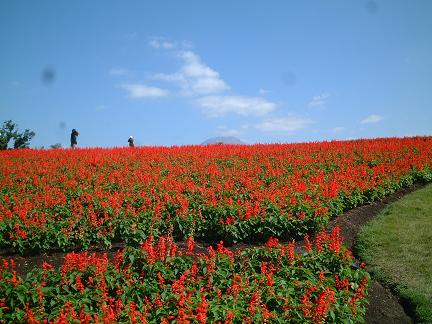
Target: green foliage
[56,146]
[9,131]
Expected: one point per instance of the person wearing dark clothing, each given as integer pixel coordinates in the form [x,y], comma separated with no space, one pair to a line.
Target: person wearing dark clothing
[74,136]
[131,141]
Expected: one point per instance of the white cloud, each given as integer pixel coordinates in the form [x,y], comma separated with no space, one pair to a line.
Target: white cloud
[193,66]
[142,91]
[338,129]
[284,124]
[194,76]
[204,86]
[215,106]
[225,131]
[319,100]
[118,71]
[372,119]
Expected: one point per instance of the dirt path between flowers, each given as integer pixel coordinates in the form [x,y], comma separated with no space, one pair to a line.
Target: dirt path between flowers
[383,308]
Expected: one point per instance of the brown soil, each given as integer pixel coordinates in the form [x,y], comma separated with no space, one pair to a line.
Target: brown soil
[384,307]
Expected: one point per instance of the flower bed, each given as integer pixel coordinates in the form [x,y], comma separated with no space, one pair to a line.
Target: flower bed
[72,199]
[158,283]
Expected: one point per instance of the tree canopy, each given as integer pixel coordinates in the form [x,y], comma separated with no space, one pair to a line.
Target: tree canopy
[9,131]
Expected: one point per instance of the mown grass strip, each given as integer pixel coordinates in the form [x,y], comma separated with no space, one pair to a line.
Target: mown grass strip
[397,247]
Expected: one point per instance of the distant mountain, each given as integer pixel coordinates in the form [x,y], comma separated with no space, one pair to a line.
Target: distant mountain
[223,140]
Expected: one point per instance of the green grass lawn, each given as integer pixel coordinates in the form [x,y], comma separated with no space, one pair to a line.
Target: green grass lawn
[397,247]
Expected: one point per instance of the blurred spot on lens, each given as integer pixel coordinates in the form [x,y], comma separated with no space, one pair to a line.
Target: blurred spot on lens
[289,78]
[371,7]
[48,75]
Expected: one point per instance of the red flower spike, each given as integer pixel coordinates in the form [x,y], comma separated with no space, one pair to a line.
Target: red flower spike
[190,244]
[308,245]
[272,242]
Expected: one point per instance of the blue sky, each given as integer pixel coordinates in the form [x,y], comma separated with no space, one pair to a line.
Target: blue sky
[179,72]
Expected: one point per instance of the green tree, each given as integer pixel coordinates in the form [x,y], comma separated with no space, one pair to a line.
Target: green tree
[9,131]
[56,146]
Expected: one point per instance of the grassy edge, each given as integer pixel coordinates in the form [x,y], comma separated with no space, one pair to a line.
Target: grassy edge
[380,239]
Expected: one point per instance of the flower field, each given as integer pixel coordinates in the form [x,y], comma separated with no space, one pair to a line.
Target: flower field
[159,284]
[75,198]
[149,198]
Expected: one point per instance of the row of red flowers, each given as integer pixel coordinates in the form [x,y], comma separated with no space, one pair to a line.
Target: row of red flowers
[159,284]
[76,198]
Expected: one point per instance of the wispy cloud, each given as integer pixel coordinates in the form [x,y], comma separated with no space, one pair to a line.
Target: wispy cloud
[338,129]
[137,90]
[319,100]
[194,76]
[263,92]
[174,77]
[372,119]
[216,106]
[284,125]
[118,71]
[131,36]
[160,43]
[225,131]
[101,107]
[186,45]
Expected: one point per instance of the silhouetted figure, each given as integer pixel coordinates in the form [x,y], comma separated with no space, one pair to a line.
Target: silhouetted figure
[131,141]
[74,136]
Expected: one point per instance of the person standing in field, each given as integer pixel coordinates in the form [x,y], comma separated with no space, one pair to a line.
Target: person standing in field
[74,136]
[131,141]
